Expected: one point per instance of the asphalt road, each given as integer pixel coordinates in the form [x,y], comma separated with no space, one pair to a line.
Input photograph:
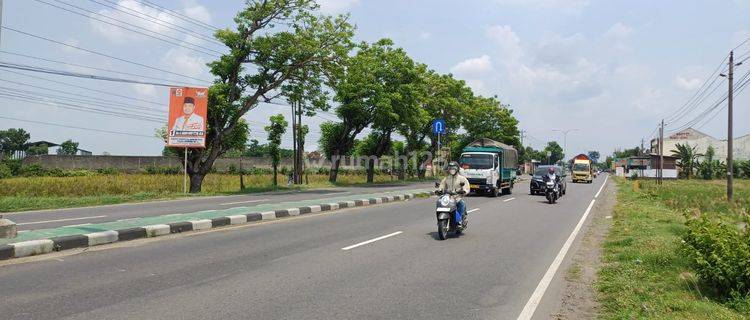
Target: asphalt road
[42,219]
[297,268]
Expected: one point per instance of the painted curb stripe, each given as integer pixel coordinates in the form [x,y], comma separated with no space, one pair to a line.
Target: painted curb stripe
[130,234]
[6,252]
[293,211]
[201,224]
[325,207]
[103,237]
[305,210]
[255,216]
[157,230]
[223,221]
[238,219]
[70,242]
[178,227]
[32,248]
[269,215]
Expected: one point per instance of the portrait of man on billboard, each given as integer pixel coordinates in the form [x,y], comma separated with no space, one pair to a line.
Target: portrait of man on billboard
[189,120]
[187,117]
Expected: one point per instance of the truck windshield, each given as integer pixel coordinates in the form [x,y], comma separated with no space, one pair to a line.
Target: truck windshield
[476,161]
[580,167]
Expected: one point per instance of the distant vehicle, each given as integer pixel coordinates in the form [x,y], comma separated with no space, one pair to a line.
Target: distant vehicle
[582,169]
[490,166]
[537,185]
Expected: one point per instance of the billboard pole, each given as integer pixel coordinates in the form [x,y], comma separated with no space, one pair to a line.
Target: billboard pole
[184,177]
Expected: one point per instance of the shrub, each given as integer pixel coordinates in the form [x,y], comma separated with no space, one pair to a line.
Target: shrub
[720,254]
[5,171]
[163,170]
[14,165]
[33,170]
[108,171]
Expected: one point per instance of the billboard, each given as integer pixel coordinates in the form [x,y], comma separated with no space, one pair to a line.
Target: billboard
[188,109]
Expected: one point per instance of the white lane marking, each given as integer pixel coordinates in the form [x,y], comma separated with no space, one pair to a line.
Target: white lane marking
[59,220]
[76,225]
[536,297]
[240,202]
[602,187]
[372,240]
[506,200]
[472,210]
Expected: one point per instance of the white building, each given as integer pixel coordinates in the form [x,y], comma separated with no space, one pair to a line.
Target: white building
[695,138]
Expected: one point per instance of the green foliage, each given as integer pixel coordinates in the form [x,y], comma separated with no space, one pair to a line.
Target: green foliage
[744,167]
[594,155]
[5,171]
[68,148]
[720,254]
[687,158]
[488,118]
[553,152]
[275,131]
[41,149]
[284,41]
[13,164]
[633,152]
[711,168]
[33,170]
[12,140]
[163,170]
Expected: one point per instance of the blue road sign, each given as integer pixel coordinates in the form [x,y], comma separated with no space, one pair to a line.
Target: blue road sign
[438,126]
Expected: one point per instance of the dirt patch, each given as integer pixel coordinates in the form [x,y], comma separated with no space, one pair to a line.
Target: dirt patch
[579,295]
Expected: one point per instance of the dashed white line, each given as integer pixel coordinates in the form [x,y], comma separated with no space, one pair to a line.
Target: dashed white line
[536,297]
[602,187]
[506,200]
[372,240]
[472,210]
[240,202]
[59,220]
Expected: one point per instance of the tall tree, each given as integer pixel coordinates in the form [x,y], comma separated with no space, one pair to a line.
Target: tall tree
[275,131]
[594,156]
[487,118]
[40,149]
[280,40]
[554,152]
[68,148]
[13,140]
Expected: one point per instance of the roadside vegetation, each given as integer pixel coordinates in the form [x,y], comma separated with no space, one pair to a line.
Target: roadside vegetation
[677,251]
[37,188]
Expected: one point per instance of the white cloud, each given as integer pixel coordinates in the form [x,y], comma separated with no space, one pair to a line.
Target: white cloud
[510,44]
[619,31]
[474,67]
[687,84]
[425,35]
[336,6]
[181,61]
[198,12]
[144,90]
[739,37]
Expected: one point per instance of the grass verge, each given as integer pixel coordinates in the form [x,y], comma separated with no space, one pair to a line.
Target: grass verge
[644,276]
[38,193]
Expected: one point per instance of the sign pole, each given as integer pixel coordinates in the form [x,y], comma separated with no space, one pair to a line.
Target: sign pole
[184,177]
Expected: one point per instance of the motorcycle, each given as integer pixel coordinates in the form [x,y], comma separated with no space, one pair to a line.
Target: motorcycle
[446,213]
[552,191]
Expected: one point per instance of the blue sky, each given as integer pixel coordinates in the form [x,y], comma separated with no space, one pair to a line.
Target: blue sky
[609,68]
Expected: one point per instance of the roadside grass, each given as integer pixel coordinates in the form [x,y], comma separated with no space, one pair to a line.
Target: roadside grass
[36,193]
[644,275]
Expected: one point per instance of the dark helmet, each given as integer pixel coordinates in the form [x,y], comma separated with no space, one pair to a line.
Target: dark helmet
[452,165]
[551,170]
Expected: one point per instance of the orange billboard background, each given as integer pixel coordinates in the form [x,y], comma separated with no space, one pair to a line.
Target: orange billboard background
[188,113]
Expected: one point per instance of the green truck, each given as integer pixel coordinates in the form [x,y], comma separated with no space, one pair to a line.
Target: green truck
[490,166]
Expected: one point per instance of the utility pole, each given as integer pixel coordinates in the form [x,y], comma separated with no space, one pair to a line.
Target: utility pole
[300,144]
[642,150]
[661,152]
[730,98]
[522,133]
[565,139]
[294,143]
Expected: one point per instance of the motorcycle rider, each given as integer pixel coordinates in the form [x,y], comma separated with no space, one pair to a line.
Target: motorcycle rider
[551,176]
[452,183]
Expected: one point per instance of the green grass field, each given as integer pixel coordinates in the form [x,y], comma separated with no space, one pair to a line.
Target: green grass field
[34,193]
[644,275]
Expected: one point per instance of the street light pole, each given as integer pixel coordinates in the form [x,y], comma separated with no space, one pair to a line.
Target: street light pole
[565,138]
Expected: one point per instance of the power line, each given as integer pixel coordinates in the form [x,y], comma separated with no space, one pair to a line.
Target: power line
[72,106]
[147,17]
[89,67]
[101,54]
[737,91]
[86,88]
[79,75]
[178,15]
[195,47]
[79,128]
[701,90]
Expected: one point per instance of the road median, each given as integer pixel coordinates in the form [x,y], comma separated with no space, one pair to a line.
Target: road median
[37,242]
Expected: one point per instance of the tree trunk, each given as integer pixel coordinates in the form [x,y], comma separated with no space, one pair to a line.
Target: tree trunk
[334,172]
[402,170]
[275,173]
[196,179]
[370,170]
